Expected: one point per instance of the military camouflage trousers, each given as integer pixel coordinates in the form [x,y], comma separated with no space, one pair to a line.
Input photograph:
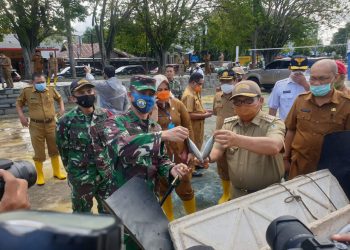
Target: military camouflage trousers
[83,193]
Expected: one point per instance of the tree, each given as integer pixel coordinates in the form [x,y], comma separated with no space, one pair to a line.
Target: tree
[162,21]
[106,16]
[86,37]
[280,21]
[341,37]
[32,21]
[72,10]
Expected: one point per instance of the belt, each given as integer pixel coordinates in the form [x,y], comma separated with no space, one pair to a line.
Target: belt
[41,121]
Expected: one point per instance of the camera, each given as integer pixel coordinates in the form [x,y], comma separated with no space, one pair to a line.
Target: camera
[32,230]
[287,232]
[20,169]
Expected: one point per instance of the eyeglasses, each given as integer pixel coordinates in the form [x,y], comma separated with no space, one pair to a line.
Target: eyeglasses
[246,101]
[320,79]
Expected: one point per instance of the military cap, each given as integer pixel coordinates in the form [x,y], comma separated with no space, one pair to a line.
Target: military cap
[142,82]
[299,63]
[75,85]
[227,75]
[246,88]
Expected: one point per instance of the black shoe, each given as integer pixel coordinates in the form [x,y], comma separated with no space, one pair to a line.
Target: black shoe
[196,174]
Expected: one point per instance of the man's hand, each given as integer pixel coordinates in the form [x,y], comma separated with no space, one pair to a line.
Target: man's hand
[341,237]
[204,164]
[190,157]
[15,193]
[24,121]
[300,79]
[225,138]
[208,114]
[61,113]
[177,134]
[180,170]
[87,70]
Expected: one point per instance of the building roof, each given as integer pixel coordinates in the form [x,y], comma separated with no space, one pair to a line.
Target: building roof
[85,51]
[10,42]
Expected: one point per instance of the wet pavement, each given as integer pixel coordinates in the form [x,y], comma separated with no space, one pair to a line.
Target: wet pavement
[55,194]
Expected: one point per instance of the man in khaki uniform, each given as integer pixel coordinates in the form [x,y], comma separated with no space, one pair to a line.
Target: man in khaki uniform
[6,66]
[223,108]
[192,100]
[38,62]
[314,114]
[53,69]
[42,127]
[252,142]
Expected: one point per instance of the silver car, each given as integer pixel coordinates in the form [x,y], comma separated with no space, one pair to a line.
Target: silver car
[274,71]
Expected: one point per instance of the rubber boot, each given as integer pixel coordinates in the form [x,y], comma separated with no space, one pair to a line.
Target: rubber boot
[39,172]
[48,81]
[55,162]
[190,206]
[55,80]
[226,192]
[168,208]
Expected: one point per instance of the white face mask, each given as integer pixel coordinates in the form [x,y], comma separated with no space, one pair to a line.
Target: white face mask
[227,88]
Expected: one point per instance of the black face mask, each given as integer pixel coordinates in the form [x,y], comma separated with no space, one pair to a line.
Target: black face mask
[86,101]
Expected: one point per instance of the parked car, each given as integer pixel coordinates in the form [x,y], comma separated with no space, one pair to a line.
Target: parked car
[130,70]
[274,71]
[66,72]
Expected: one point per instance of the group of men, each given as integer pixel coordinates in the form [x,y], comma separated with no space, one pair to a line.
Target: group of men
[102,148]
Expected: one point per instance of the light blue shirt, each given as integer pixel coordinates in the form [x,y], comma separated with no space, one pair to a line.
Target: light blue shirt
[283,96]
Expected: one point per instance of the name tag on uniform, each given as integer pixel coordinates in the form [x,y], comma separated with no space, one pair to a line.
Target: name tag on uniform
[305,110]
[287,91]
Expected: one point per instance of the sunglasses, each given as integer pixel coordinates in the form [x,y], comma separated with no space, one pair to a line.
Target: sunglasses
[246,101]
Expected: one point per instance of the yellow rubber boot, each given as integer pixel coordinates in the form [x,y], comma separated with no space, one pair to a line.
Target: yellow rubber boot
[190,206]
[55,80]
[48,81]
[39,172]
[55,161]
[226,192]
[168,208]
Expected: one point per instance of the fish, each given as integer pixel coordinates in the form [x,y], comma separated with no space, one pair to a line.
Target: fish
[194,150]
[208,147]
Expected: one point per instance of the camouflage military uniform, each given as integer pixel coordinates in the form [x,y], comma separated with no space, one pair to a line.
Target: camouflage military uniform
[141,151]
[84,142]
[176,88]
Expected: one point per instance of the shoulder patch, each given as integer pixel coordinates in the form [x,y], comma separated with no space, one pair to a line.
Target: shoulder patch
[231,119]
[269,118]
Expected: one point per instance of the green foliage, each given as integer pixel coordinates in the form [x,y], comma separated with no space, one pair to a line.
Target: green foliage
[340,37]
[86,37]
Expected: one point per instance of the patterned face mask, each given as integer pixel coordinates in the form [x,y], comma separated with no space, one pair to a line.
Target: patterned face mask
[143,103]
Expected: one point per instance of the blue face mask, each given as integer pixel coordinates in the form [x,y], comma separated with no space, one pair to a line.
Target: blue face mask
[320,90]
[143,103]
[40,86]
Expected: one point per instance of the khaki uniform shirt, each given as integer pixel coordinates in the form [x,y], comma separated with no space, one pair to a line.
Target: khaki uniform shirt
[248,170]
[222,108]
[175,112]
[53,65]
[311,123]
[40,104]
[6,64]
[38,63]
[193,103]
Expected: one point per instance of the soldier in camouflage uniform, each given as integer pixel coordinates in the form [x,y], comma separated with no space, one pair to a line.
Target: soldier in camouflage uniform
[141,150]
[84,138]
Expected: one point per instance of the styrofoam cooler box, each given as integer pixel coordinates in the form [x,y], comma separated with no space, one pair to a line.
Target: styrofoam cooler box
[242,223]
